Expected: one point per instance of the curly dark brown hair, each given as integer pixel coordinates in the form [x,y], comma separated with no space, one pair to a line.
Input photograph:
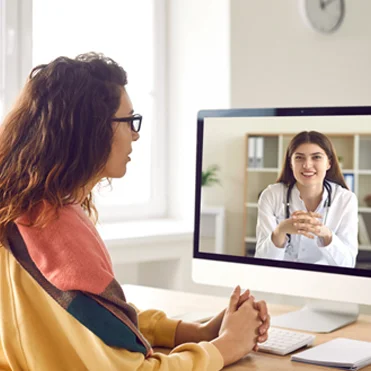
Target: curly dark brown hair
[57,138]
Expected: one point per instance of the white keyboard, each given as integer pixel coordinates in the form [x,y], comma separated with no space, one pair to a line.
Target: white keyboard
[283,342]
[279,341]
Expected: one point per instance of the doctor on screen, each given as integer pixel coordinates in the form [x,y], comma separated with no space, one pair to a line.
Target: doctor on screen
[309,215]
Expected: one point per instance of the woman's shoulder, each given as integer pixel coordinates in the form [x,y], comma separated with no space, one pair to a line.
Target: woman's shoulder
[276,188]
[68,250]
[341,192]
[66,214]
[274,191]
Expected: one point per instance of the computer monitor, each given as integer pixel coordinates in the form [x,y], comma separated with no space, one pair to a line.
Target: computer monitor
[240,152]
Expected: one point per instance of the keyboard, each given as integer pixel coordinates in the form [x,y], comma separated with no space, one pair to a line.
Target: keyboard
[283,342]
[279,341]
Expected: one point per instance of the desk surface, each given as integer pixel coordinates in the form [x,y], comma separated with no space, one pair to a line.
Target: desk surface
[175,303]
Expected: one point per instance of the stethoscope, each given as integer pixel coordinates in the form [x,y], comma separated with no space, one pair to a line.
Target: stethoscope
[327,204]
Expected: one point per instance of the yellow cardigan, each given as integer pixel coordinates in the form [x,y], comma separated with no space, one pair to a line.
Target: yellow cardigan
[38,334]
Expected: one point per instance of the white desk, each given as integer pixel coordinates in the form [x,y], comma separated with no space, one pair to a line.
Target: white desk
[174,303]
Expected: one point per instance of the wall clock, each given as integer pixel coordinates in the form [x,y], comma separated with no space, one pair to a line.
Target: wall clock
[324,16]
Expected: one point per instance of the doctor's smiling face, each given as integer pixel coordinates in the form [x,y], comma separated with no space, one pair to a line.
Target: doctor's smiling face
[310,158]
[309,164]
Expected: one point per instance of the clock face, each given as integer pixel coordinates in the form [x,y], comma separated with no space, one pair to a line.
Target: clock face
[324,15]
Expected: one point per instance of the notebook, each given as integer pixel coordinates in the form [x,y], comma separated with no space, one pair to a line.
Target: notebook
[346,354]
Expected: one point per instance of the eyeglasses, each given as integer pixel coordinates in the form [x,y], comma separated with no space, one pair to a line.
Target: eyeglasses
[135,121]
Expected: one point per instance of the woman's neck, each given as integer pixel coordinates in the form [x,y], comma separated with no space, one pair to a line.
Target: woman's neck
[311,196]
[84,192]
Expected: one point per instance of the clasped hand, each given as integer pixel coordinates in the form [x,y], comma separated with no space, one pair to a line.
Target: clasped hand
[306,223]
[214,327]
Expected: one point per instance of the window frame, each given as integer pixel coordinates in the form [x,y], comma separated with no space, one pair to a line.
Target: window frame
[18,63]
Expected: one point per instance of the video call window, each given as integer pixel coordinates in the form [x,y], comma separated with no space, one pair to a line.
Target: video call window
[293,189]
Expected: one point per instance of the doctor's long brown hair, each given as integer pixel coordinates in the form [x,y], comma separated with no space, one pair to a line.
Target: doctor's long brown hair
[333,174]
[57,138]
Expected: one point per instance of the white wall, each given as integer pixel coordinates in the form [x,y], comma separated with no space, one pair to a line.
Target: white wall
[277,60]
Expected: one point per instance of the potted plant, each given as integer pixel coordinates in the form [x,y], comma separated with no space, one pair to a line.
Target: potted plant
[209,176]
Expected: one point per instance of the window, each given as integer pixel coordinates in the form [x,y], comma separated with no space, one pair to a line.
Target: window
[128,32]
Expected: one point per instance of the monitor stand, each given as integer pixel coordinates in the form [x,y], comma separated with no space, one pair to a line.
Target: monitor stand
[319,316]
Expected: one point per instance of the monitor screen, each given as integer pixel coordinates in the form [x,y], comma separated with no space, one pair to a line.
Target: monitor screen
[285,188]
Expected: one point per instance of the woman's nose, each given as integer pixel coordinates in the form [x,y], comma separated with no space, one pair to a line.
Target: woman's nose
[307,164]
[135,136]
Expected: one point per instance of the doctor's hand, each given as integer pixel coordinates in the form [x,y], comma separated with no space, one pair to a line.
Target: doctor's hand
[308,225]
[301,222]
[279,235]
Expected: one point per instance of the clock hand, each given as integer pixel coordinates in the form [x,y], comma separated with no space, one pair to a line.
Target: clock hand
[324,3]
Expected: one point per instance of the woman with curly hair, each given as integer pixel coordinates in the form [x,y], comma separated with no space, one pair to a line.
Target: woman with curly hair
[60,305]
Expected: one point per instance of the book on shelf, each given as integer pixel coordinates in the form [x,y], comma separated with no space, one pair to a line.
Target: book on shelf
[251,151]
[255,146]
[349,180]
[259,152]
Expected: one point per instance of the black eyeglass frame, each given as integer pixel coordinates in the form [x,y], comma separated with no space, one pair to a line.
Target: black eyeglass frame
[131,119]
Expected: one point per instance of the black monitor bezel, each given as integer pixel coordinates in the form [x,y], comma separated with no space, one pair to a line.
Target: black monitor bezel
[266,112]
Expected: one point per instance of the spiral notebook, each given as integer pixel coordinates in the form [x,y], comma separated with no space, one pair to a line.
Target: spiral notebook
[342,353]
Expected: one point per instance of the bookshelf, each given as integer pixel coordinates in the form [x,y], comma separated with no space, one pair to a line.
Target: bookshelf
[354,150]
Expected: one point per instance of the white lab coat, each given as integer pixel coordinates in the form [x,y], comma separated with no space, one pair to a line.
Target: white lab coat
[342,219]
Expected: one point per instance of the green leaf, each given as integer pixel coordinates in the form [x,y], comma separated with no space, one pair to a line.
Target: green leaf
[209,176]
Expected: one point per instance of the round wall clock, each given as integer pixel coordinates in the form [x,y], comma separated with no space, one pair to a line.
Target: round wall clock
[324,16]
